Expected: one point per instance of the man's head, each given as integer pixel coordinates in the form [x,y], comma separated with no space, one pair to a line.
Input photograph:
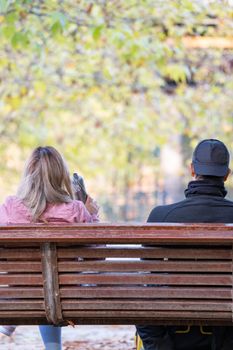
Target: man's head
[211,158]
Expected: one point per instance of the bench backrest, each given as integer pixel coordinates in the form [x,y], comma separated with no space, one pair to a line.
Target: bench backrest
[116,274]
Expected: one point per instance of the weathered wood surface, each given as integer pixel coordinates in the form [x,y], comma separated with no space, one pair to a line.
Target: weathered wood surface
[134,266]
[119,234]
[25,292]
[129,292]
[147,252]
[127,278]
[102,274]
[51,285]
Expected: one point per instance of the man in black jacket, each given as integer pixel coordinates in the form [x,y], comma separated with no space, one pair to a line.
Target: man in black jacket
[205,203]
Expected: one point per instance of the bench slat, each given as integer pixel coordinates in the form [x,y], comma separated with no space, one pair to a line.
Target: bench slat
[21,305]
[143,278]
[20,279]
[17,292]
[20,266]
[10,314]
[152,315]
[166,266]
[146,252]
[119,233]
[146,305]
[145,292]
[20,253]
[162,320]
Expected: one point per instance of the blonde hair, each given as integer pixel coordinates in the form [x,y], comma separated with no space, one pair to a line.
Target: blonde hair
[45,180]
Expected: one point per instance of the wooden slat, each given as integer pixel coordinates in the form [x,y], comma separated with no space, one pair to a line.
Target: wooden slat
[20,266]
[152,315]
[146,305]
[24,320]
[136,266]
[35,318]
[147,321]
[145,292]
[20,253]
[20,279]
[19,292]
[82,317]
[121,233]
[21,314]
[146,252]
[132,320]
[21,305]
[166,279]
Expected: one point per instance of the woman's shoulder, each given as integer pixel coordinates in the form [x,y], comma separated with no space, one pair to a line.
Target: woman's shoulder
[13,211]
[10,200]
[15,205]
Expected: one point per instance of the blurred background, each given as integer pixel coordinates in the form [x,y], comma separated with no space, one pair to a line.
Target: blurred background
[123,89]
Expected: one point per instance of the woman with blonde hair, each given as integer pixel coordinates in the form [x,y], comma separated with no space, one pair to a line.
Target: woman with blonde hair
[45,195]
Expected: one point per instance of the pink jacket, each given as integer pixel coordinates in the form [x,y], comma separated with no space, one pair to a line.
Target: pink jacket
[13,211]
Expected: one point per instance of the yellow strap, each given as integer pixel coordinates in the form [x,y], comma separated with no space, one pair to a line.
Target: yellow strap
[139,345]
[204,332]
[187,330]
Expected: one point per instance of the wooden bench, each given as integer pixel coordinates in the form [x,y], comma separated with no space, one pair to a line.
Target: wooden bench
[102,274]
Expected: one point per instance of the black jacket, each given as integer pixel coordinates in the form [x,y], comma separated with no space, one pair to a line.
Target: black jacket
[204,203]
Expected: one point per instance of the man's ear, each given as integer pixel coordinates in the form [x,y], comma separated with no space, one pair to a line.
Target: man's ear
[226,176]
[192,170]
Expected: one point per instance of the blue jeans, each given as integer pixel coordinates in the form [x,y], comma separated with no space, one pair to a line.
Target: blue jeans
[51,337]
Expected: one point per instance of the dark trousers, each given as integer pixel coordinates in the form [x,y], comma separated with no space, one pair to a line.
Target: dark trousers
[155,338]
[166,338]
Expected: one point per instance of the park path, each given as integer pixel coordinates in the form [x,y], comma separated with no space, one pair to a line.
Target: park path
[78,338]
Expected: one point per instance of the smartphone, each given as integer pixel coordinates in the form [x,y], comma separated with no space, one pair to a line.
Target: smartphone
[79,188]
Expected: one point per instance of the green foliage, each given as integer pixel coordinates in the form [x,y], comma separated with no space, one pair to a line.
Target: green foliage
[4,6]
[177,72]
[107,82]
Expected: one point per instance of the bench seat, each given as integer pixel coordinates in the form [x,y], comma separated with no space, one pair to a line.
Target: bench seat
[116,274]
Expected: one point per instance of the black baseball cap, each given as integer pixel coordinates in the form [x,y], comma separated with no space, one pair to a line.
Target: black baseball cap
[211,157]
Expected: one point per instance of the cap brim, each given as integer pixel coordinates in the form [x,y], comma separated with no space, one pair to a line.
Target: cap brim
[210,169]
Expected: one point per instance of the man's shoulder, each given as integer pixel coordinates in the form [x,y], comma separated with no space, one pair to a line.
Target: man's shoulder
[188,208]
[158,213]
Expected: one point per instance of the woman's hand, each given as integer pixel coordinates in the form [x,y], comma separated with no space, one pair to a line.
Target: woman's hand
[92,206]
